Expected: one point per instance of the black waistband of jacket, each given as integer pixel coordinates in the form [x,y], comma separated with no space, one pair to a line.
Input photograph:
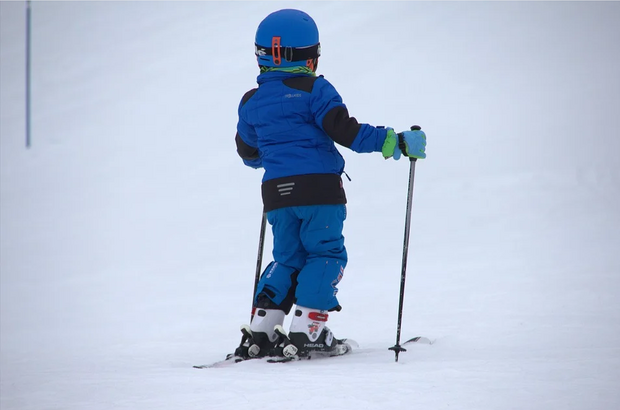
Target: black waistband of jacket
[300,190]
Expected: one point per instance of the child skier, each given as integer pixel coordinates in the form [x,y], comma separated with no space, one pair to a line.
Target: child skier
[288,126]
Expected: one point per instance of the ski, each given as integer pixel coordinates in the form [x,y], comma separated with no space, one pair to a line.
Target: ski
[289,351]
[345,346]
[419,339]
[342,348]
[230,360]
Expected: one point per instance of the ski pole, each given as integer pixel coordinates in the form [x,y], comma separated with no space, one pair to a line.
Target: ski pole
[397,348]
[259,263]
[259,260]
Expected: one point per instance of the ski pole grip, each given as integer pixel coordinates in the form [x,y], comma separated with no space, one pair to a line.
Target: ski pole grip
[401,142]
[414,128]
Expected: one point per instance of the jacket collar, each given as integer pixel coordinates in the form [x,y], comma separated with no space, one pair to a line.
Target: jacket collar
[277,75]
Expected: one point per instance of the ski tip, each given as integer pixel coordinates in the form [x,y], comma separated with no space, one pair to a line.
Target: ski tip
[420,339]
[230,359]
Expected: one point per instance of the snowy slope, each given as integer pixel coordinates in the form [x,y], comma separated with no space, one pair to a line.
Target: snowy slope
[129,229]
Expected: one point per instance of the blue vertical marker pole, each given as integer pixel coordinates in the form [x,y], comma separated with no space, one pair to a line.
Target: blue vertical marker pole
[28,73]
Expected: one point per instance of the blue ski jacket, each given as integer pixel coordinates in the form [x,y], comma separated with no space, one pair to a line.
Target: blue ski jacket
[288,126]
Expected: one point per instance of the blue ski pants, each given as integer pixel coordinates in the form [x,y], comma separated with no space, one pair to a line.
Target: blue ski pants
[309,256]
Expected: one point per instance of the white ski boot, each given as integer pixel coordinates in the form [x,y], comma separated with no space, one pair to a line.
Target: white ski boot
[263,335]
[309,335]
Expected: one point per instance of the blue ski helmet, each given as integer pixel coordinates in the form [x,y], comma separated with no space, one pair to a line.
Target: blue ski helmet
[287,38]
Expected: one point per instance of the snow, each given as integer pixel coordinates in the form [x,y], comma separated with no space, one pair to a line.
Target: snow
[129,229]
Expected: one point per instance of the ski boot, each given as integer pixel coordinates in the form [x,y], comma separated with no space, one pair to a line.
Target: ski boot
[259,339]
[309,336]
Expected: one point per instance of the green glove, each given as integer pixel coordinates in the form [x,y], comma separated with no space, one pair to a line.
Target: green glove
[390,146]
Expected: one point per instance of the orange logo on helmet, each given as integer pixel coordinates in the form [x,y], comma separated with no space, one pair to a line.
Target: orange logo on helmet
[275,45]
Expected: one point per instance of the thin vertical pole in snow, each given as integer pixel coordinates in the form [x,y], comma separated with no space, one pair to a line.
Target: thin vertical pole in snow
[259,259]
[259,262]
[397,348]
[28,30]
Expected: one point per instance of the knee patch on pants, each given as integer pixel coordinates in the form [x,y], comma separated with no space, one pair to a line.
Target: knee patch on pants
[276,288]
